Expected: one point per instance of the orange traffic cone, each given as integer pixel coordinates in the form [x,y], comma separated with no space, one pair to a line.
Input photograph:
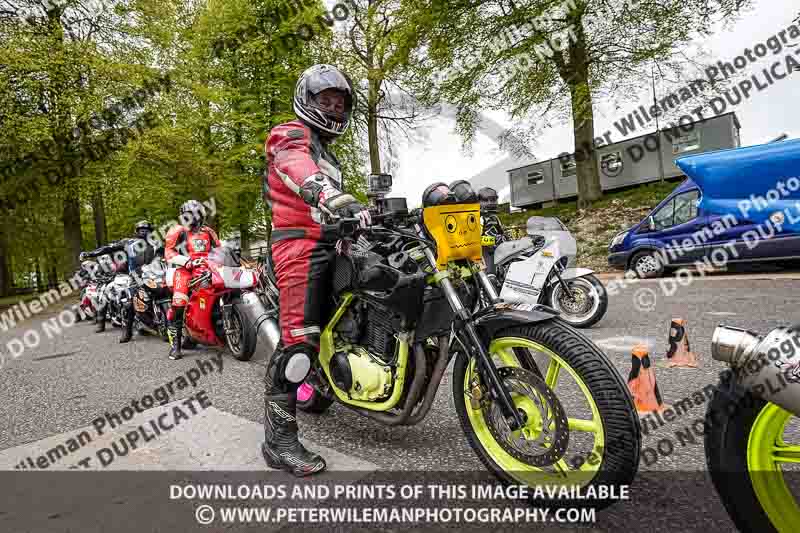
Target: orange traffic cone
[642,382]
[679,353]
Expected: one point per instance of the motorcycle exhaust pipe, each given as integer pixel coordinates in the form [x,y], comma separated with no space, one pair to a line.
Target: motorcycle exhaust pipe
[729,345]
[255,315]
[767,366]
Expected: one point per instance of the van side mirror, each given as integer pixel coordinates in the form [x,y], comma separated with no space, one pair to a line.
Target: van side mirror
[651,223]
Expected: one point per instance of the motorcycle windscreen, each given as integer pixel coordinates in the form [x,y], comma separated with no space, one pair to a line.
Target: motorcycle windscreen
[237,278]
[122,281]
[171,276]
[552,229]
[139,254]
[525,279]
[223,256]
[750,183]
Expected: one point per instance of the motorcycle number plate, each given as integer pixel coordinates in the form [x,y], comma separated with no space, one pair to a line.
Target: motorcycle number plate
[532,271]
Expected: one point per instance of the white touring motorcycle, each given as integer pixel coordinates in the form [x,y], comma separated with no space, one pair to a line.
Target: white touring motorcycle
[540,268]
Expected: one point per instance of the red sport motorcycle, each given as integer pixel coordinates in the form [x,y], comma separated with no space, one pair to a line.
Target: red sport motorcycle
[212,317]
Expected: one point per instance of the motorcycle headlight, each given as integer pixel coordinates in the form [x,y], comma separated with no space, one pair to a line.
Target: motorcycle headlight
[616,241]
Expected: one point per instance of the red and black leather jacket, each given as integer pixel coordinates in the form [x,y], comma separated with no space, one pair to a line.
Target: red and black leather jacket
[184,244]
[302,181]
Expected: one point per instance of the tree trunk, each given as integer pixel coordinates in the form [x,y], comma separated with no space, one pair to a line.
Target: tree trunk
[5,274]
[589,189]
[245,237]
[99,211]
[372,126]
[53,278]
[39,279]
[72,229]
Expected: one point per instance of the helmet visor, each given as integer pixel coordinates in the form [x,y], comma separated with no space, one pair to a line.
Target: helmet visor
[436,194]
[331,80]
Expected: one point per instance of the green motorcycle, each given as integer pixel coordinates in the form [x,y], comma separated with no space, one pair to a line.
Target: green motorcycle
[752,422]
[539,403]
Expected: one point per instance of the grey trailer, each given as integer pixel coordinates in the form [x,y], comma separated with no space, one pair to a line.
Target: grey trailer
[630,162]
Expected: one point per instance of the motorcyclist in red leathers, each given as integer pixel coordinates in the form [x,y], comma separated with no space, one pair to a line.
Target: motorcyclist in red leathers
[187,246]
[303,185]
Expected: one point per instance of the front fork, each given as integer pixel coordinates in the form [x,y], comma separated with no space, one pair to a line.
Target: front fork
[486,366]
[557,272]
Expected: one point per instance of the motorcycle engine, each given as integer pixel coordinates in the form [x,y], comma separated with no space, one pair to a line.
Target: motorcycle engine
[365,368]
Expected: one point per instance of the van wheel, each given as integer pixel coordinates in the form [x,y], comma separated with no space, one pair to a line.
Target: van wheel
[647,265]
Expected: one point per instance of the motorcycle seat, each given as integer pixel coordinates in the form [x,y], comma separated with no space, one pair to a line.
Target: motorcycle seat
[508,250]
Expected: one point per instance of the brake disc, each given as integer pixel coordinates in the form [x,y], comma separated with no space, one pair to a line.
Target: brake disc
[580,303]
[549,444]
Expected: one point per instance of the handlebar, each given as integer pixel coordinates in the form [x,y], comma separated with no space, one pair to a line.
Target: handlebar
[348,226]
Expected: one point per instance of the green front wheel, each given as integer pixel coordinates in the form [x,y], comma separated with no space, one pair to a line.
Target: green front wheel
[581,427]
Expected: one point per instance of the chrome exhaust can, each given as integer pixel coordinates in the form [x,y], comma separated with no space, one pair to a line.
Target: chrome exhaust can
[768,366]
[255,315]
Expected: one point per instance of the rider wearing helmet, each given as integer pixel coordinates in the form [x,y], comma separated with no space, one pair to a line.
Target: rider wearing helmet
[187,247]
[302,184]
[138,251]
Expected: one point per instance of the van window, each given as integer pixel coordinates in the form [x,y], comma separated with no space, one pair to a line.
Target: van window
[679,210]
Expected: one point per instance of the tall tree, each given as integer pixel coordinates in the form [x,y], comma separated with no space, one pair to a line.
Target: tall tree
[547,60]
[375,51]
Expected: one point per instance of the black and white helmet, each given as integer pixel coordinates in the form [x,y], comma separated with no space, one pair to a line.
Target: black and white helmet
[312,82]
[143,228]
[192,214]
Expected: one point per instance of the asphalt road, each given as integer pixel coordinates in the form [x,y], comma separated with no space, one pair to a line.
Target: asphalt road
[67,381]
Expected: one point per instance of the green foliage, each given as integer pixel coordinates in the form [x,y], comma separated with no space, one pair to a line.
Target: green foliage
[207,139]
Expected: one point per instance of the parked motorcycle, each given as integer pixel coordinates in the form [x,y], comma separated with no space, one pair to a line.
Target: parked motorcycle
[212,316]
[152,300]
[541,268]
[404,297]
[88,297]
[751,439]
[118,293]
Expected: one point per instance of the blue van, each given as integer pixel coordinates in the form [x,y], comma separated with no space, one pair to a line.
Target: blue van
[736,205]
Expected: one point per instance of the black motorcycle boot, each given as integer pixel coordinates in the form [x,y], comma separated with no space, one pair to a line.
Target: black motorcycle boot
[127,331]
[281,448]
[101,322]
[175,330]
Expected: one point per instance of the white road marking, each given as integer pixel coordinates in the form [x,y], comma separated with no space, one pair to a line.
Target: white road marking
[209,440]
[625,343]
[720,313]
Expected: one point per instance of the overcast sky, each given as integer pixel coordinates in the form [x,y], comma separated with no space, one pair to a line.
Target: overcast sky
[763,117]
